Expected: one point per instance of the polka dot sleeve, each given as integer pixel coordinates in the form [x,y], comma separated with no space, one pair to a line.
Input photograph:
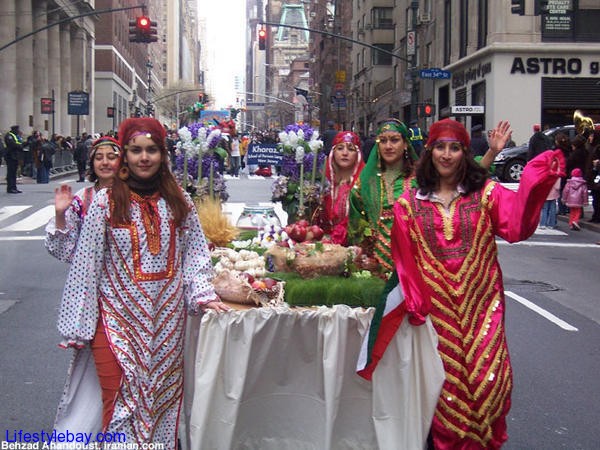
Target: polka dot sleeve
[79,306]
[61,243]
[197,266]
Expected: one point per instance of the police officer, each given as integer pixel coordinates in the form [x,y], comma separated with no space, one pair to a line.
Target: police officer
[416,137]
[14,146]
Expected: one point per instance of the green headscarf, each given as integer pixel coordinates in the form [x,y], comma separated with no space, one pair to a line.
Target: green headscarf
[370,185]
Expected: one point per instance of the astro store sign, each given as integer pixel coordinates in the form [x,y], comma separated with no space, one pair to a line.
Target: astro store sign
[554,66]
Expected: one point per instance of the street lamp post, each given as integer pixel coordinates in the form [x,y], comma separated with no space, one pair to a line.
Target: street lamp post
[414,89]
[149,94]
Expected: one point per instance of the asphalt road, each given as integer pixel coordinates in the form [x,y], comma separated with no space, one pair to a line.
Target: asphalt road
[553,325]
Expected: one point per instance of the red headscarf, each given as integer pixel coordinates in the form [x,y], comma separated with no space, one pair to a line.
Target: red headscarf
[136,126]
[349,137]
[338,198]
[448,130]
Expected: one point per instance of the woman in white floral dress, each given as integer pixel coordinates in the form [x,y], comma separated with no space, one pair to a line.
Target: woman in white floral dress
[141,261]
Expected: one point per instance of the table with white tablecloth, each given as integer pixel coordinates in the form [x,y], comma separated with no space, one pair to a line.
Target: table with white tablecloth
[283,378]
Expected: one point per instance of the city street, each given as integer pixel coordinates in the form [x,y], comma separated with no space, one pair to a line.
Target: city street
[553,322]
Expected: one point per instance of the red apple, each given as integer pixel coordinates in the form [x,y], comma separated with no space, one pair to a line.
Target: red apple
[303,223]
[269,282]
[298,233]
[317,232]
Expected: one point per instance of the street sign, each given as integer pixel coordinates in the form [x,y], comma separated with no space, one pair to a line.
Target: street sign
[110,111]
[435,74]
[467,109]
[255,106]
[411,43]
[79,103]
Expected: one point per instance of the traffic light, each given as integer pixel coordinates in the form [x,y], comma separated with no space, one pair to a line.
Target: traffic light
[133,31]
[262,39]
[142,29]
[426,110]
[517,7]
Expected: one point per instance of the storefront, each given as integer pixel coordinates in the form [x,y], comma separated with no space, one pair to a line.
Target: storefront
[542,86]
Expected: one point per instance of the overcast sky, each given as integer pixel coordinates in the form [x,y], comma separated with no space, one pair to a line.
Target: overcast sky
[226,27]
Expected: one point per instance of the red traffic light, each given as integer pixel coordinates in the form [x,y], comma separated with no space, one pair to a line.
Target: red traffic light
[426,110]
[143,23]
[262,39]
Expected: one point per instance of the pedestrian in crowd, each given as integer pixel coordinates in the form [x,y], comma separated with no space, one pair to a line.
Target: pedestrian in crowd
[62,231]
[538,142]
[548,214]
[222,151]
[579,153]
[235,158]
[563,143]
[14,147]
[416,137]
[342,169]
[329,135]
[2,149]
[367,146]
[80,156]
[45,153]
[141,261]
[172,139]
[34,146]
[67,145]
[446,259]
[243,152]
[593,174]
[479,144]
[575,196]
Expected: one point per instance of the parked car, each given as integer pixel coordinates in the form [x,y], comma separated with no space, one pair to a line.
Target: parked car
[511,161]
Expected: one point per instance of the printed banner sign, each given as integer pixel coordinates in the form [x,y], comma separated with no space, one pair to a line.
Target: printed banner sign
[264,155]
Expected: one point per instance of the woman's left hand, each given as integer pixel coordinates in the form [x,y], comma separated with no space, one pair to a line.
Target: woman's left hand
[499,136]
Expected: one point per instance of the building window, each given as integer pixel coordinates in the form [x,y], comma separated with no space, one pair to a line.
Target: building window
[382,18]
[447,31]
[464,28]
[380,58]
[460,97]
[482,24]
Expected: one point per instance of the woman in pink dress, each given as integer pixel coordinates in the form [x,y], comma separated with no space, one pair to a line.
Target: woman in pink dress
[344,164]
[446,260]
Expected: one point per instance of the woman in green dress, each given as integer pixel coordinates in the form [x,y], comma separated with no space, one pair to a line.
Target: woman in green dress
[387,174]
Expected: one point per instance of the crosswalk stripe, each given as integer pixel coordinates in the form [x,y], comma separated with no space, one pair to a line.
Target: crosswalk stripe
[33,221]
[8,211]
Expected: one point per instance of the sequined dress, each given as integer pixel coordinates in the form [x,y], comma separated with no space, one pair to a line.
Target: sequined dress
[448,260]
[139,279]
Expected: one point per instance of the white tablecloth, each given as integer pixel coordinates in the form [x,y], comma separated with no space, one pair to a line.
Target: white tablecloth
[285,379]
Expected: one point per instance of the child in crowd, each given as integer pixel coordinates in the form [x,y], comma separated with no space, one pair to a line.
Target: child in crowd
[575,196]
[548,215]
